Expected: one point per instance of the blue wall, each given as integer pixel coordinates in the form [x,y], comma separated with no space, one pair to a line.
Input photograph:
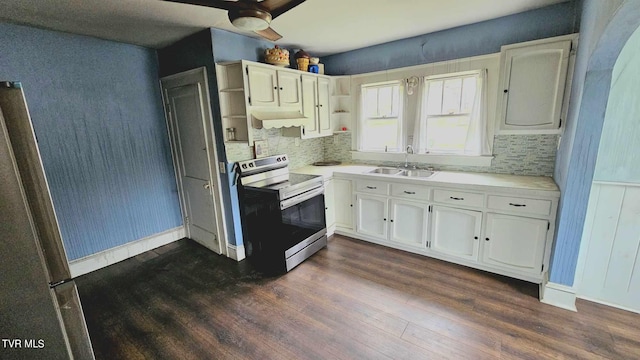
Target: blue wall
[465,41]
[97,112]
[605,28]
[205,48]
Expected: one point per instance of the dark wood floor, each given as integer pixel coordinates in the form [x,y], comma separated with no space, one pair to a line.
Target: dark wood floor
[353,300]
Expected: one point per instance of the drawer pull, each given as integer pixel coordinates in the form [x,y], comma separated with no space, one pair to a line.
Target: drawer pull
[371,187]
[455,198]
[410,192]
[517,205]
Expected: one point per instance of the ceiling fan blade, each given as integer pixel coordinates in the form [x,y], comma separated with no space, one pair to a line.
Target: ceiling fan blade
[269,34]
[279,7]
[220,4]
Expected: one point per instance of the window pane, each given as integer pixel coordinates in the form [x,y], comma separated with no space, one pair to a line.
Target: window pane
[468,94]
[370,102]
[451,96]
[385,99]
[379,133]
[434,98]
[447,134]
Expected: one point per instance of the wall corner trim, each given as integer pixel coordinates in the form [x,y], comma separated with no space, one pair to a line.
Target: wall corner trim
[558,295]
[111,256]
[236,252]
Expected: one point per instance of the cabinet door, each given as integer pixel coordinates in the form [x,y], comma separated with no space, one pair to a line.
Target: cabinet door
[324,111]
[289,92]
[343,200]
[329,203]
[533,80]
[514,242]
[372,216]
[455,232]
[408,222]
[309,106]
[263,86]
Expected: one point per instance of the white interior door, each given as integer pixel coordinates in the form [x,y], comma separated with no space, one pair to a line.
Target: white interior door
[194,157]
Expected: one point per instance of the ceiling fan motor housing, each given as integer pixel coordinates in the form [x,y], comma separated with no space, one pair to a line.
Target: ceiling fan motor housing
[250,19]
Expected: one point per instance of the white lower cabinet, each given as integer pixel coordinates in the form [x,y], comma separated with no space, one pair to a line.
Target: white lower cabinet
[515,242]
[408,222]
[343,204]
[329,206]
[371,216]
[455,232]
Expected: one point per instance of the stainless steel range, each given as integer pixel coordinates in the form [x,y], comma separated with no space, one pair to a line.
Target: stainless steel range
[283,214]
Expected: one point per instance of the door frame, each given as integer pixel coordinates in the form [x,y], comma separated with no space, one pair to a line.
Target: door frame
[197,77]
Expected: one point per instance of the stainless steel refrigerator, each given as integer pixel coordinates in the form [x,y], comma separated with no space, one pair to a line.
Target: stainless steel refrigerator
[40,312]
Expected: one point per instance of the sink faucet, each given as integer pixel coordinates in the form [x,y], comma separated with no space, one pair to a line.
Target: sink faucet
[406,156]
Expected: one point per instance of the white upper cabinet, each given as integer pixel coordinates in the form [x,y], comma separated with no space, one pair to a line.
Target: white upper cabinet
[534,85]
[315,106]
[271,87]
[324,113]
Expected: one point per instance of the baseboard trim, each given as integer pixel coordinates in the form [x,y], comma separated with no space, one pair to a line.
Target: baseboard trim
[111,256]
[236,252]
[559,295]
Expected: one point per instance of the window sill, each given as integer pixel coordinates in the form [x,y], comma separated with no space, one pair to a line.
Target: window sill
[459,160]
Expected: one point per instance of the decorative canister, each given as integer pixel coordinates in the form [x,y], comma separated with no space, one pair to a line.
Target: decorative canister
[277,56]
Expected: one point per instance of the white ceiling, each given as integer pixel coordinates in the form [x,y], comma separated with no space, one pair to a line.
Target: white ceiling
[319,26]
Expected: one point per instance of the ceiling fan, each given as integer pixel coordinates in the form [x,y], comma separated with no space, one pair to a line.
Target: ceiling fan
[251,15]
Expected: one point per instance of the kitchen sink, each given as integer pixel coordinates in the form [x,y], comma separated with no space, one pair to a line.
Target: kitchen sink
[417,173]
[400,172]
[385,171]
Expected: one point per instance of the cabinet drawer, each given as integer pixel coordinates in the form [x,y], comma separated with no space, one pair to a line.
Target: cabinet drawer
[407,191]
[372,187]
[519,205]
[458,198]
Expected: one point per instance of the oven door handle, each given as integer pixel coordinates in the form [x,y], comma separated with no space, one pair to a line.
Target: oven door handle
[285,204]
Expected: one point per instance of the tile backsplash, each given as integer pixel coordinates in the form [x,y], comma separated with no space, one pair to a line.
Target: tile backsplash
[513,154]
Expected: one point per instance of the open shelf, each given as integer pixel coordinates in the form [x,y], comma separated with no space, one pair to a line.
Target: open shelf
[232,90]
[240,116]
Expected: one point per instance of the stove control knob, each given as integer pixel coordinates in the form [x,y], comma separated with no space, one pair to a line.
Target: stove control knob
[244,166]
[250,164]
[278,159]
[284,158]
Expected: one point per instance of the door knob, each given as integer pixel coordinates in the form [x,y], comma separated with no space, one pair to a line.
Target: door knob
[206,185]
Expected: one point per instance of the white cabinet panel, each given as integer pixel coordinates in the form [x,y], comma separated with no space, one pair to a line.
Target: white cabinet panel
[455,232]
[324,111]
[263,86]
[515,242]
[289,92]
[309,108]
[329,203]
[408,221]
[372,216]
[533,83]
[343,199]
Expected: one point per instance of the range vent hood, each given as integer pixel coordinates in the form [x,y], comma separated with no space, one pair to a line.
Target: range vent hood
[280,118]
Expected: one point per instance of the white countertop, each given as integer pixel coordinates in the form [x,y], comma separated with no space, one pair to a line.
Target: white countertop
[529,184]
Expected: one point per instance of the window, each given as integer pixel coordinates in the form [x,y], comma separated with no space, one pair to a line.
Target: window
[452,120]
[381,120]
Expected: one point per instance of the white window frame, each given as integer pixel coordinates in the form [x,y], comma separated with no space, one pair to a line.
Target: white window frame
[424,116]
[398,116]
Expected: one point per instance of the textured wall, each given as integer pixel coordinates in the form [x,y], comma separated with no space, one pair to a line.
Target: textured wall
[513,154]
[465,41]
[621,128]
[615,26]
[97,112]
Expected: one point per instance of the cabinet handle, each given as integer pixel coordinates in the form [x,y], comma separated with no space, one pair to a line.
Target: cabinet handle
[320,105]
[475,238]
[517,205]
[351,205]
[326,208]
[410,192]
[506,91]
[455,198]
[280,88]
[391,220]
[487,239]
[384,219]
[371,187]
[275,88]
